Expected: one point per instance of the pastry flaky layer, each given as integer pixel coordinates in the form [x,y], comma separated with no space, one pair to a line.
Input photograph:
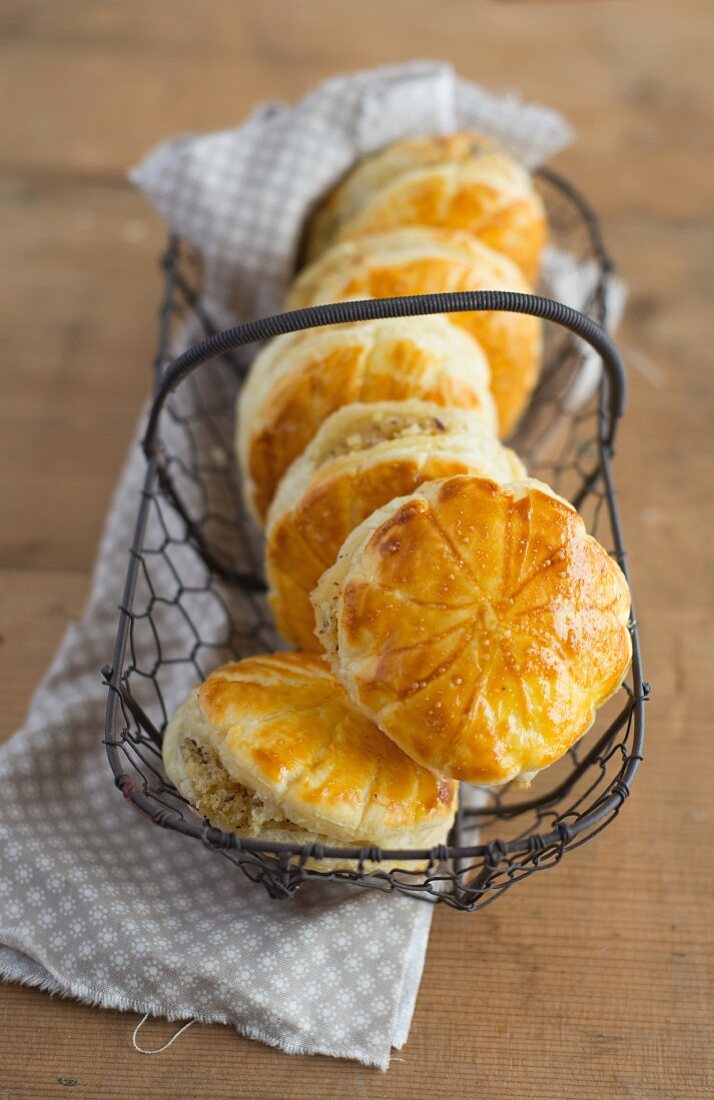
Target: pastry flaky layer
[424,261]
[461,181]
[478,624]
[299,379]
[272,747]
[362,457]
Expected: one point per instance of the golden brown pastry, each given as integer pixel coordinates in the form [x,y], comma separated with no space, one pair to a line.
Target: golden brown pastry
[271,747]
[362,457]
[478,624]
[422,261]
[462,181]
[299,379]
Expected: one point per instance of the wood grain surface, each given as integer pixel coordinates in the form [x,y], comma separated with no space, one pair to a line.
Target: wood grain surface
[594,981]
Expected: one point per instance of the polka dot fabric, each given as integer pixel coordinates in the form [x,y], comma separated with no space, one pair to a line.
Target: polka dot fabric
[99,904]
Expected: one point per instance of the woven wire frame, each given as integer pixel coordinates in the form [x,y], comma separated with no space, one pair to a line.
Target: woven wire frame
[194,598]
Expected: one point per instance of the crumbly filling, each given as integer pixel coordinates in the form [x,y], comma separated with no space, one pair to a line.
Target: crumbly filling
[383,431]
[225,802]
[231,806]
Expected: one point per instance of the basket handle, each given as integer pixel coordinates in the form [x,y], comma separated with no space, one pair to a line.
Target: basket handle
[337,313]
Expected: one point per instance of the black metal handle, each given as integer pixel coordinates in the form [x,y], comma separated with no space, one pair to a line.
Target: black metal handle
[371,309]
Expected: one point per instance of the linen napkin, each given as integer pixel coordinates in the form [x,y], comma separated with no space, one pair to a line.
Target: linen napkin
[95,901]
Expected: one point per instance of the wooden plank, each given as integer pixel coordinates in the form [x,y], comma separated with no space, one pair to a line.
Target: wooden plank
[35,610]
[78,299]
[125,76]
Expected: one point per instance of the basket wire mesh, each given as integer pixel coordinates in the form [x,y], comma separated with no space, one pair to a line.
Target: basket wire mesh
[194,594]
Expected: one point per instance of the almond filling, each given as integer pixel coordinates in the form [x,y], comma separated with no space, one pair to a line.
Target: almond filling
[224,801]
[383,431]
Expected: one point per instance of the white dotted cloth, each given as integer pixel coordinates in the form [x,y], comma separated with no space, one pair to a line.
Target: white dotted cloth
[95,901]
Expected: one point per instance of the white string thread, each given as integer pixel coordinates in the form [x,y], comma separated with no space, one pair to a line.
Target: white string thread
[158,1050]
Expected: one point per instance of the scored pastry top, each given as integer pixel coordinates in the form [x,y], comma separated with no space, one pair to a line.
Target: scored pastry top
[362,457]
[461,181]
[283,728]
[299,379]
[478,624]
[424,261]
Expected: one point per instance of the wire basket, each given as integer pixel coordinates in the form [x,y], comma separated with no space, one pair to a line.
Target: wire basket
[195,594]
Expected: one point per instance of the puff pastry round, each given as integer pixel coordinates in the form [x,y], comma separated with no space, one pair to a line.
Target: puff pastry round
[362,457]
[421,261]
[272,747]
[478,624]
[299,379]
[457,182]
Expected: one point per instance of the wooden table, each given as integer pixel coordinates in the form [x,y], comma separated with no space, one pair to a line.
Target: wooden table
[593,981]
